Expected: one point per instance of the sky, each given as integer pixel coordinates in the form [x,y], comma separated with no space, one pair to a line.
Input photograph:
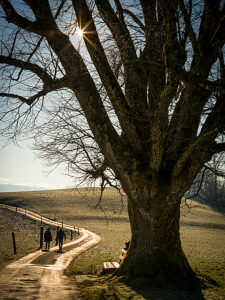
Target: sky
[19,166]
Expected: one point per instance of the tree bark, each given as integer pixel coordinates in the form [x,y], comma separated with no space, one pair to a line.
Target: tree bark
[155,250]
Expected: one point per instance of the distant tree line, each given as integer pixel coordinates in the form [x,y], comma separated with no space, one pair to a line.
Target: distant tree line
[209,185]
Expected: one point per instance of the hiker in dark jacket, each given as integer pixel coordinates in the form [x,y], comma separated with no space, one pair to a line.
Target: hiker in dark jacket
[59,238]
[48,238]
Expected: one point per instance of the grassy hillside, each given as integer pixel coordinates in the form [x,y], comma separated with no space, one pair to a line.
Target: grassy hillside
[202,229]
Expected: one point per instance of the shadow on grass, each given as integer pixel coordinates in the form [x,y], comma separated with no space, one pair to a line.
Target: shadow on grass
[113,287]
[13,201]
[99,218]
[218,207]
[204,225]
[149,289]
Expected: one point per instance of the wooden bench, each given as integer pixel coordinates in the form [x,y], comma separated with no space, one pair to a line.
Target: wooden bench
[121,257]
[109,267]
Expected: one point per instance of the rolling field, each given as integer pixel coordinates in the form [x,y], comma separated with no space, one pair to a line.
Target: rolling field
[202,234]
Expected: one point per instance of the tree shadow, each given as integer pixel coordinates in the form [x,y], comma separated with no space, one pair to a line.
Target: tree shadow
[150,289]
[165,290]
[13,201]
[113,287]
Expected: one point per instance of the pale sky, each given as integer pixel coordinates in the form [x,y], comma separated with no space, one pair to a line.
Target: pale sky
[19,166]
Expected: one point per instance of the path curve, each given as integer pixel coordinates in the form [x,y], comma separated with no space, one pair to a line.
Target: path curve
[40,275]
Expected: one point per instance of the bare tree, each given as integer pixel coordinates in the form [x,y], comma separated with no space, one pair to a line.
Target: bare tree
[154,112]
[62,137]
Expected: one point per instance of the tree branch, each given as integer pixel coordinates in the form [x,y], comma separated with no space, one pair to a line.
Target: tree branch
[26,65]
[135,18]
[197,86]
[196,152]
[219,147]
[103,68]
[8,95]
[13,17]
[41,8]
[119,31]
[14,42]
[216,118]
[219,33]
[47,88]
[209,36]
[184,124]
[191,78]
[149,12]
[134,73]
[214,170]
[189,28]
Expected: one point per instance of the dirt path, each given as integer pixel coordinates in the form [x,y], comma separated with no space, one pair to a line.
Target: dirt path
[40,275]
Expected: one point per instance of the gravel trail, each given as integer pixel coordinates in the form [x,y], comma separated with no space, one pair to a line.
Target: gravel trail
[40,275]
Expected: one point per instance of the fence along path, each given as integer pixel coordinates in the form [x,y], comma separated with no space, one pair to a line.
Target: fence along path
[35,216]
[40,275]
[85,234]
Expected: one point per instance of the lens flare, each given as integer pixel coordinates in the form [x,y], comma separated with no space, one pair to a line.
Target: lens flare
[79,32]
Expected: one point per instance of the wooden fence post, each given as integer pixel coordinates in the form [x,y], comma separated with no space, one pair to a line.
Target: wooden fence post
[78,231]
[41,237]
[14,242]
[71,234]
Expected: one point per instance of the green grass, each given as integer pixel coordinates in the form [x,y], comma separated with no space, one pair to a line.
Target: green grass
[202,234]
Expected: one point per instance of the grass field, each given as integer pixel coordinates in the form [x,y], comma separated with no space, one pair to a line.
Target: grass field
[202,234]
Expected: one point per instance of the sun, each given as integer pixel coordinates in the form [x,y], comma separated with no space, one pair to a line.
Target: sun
[80,32]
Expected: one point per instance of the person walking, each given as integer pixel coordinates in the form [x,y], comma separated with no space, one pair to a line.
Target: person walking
[59,238]
[48,238]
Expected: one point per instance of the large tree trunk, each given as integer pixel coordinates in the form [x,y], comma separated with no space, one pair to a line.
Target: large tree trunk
[155,250]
